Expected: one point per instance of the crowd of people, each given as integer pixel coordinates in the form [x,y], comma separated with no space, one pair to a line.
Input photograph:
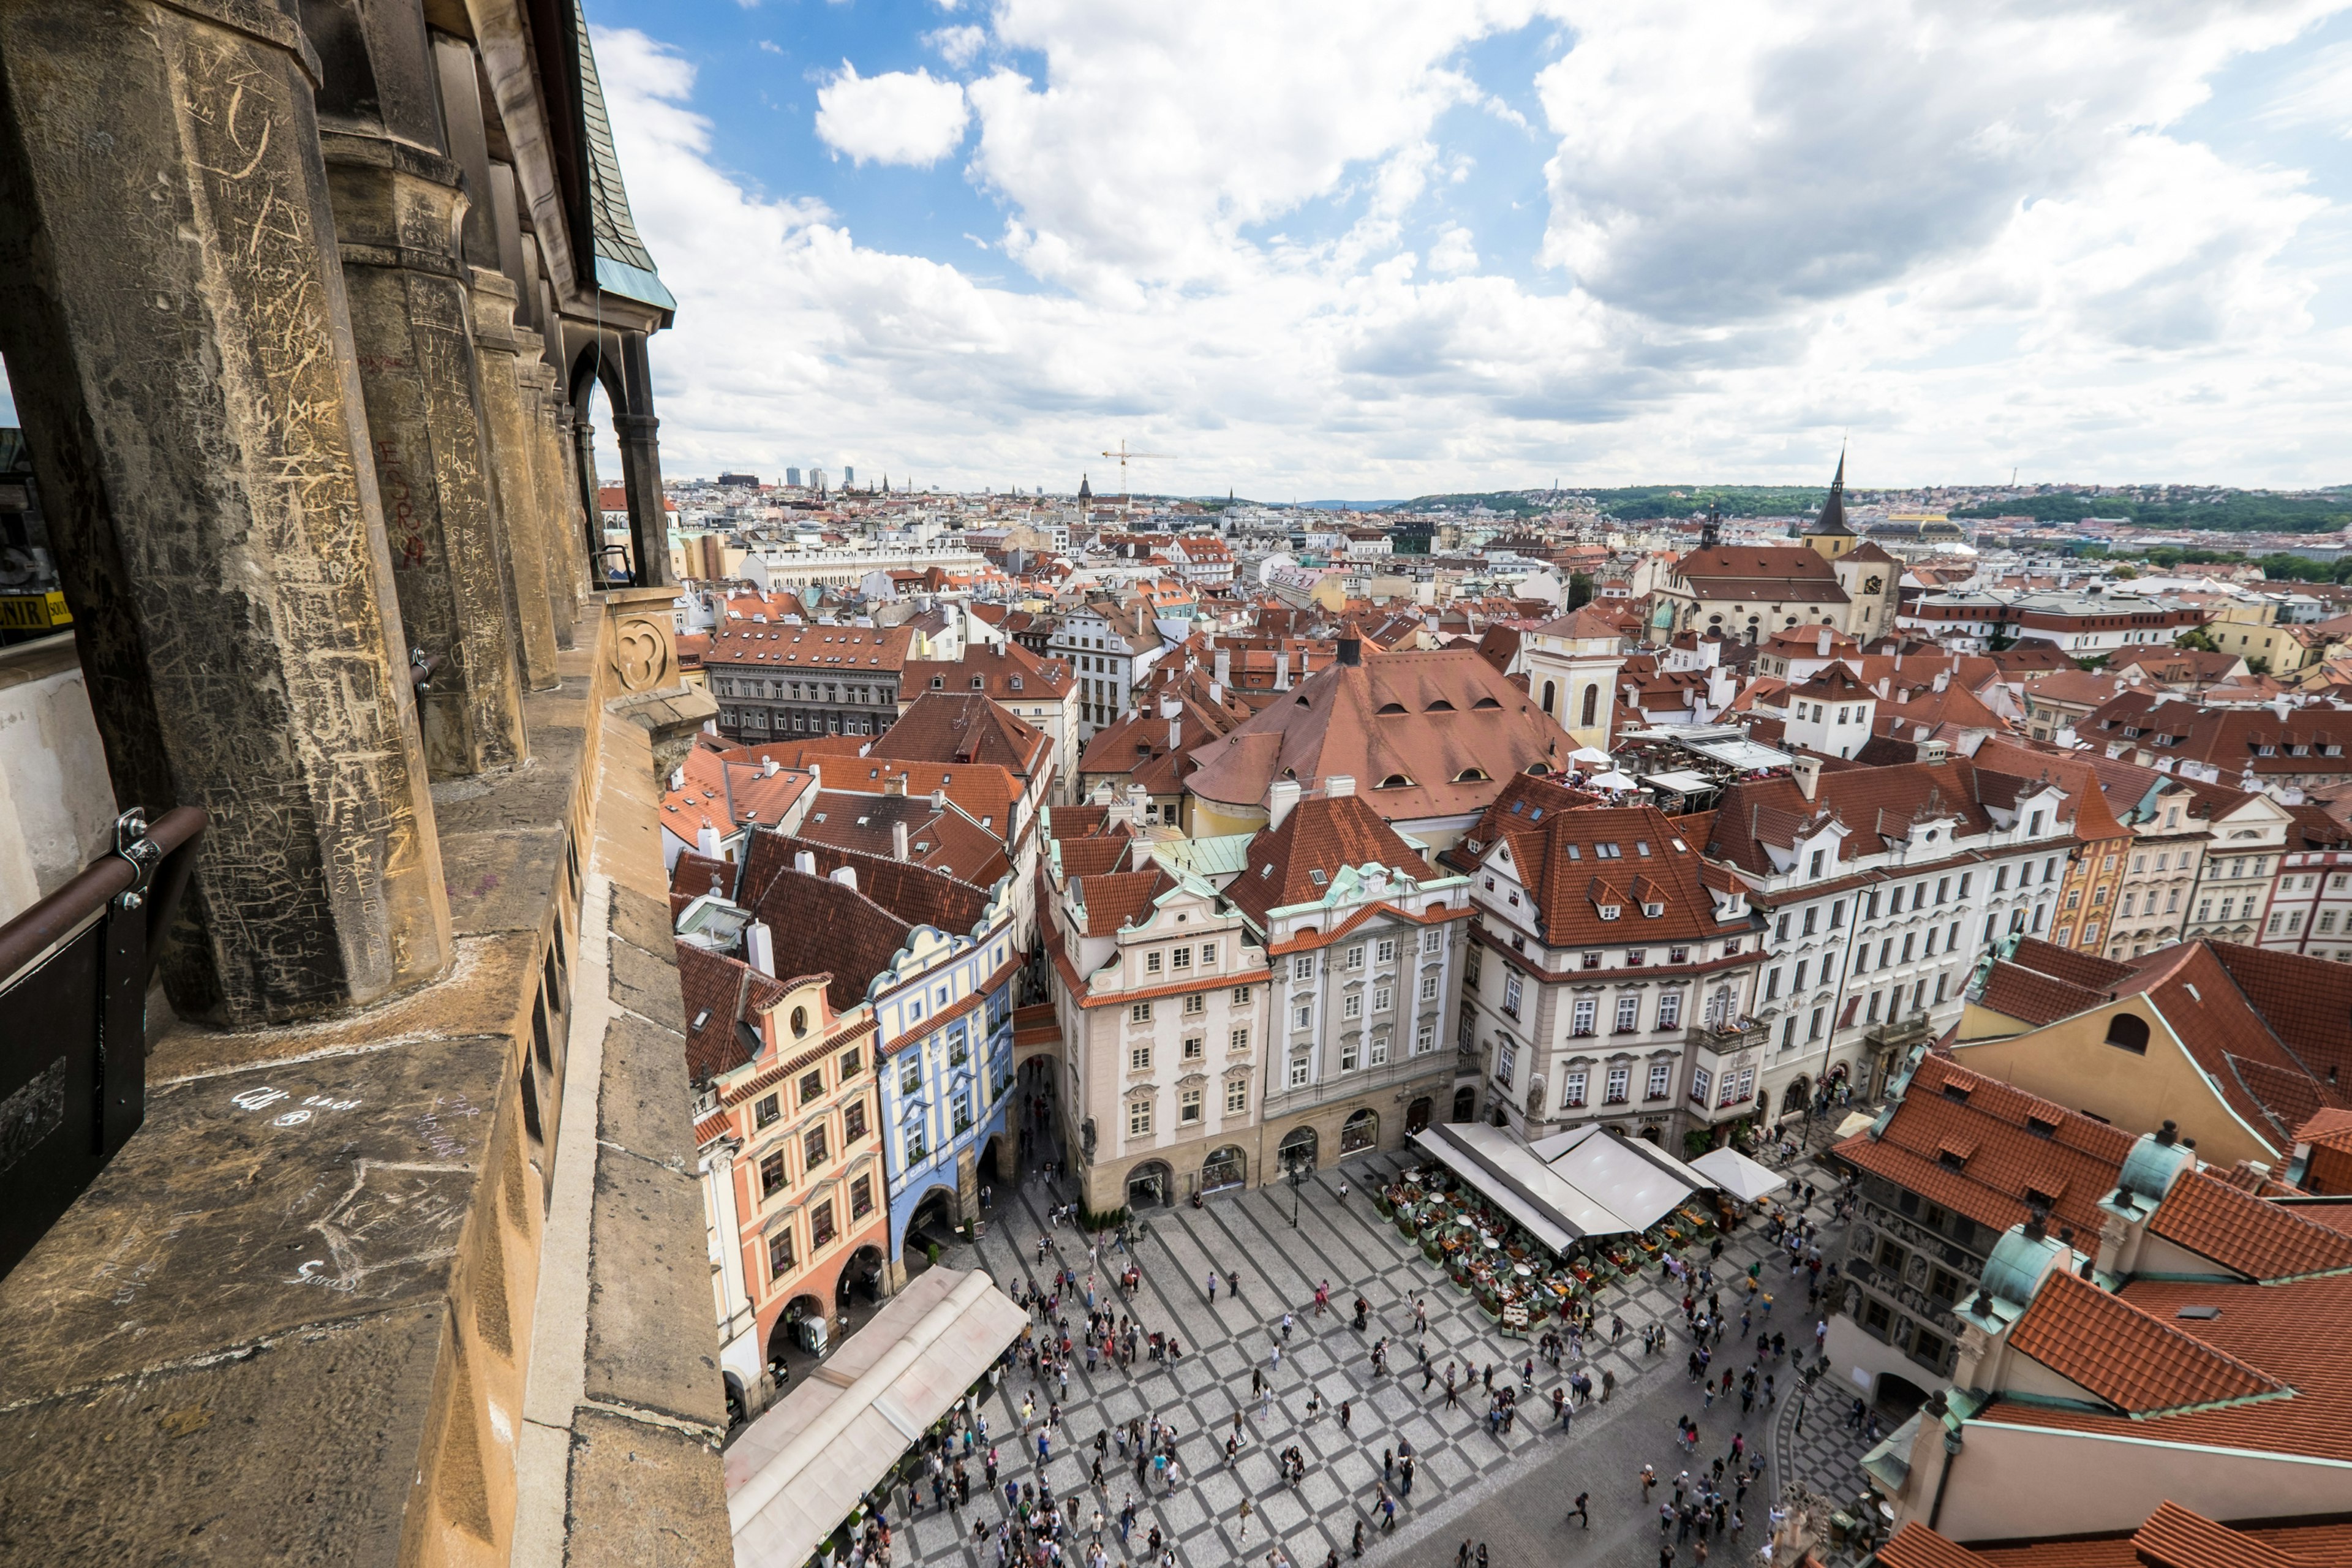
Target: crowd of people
[1037,1529]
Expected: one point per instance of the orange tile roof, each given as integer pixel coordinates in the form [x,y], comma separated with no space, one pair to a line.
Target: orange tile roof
[2242,1232]
[1917,1546]
[1318,837]
[2073,1167]
[2290,1333]
[2174,1537]
[1116,898]
[2133,1361]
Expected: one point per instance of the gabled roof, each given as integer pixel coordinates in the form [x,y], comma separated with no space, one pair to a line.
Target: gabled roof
[939,837]
[2003,1158]
[2244,1233]
[1320,835]
[2307,1002]
[2282,1340]
[1564,851]
[2136,1362]
[1768,574]
[821,927]
[1114,899]
[1879,807]
[948,727]
[723,997]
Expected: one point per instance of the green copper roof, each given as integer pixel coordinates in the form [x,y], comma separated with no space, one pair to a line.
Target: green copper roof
[624,266]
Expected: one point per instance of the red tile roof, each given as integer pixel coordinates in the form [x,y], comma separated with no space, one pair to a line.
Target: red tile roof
[2136,1362]
[1318,838]
[2291,1334]
[2008,1160]
[1776,574]
[817,650]
[724,997]
[2307,1003]
[1114,899]
[2260,1240]
[1425,734]
[943,726]
[1561,848]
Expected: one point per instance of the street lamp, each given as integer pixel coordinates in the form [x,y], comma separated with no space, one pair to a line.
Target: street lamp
[1297,1170]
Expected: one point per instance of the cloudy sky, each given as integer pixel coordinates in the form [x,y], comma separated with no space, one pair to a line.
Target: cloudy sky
[1366,249]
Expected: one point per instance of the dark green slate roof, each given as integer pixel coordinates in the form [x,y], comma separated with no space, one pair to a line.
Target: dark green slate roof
[624,266]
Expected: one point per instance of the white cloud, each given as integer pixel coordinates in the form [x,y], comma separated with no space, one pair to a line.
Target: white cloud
[1974,236]
[899,117]
[1453,252]
[958,46]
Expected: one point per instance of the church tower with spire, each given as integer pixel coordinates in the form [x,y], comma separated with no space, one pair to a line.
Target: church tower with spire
[1086,491]
[1829,535]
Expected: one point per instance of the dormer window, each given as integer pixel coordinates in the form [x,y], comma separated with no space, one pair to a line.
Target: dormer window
[937,683]
[1610,911]
[1652,911]
[1394,781]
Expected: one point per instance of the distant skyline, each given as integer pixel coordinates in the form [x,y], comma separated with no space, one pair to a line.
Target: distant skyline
[1393,248]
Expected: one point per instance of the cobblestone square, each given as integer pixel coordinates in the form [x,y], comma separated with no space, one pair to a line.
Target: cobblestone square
[1470,1482]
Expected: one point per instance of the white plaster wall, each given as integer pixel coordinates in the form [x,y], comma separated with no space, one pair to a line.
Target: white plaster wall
[57,805]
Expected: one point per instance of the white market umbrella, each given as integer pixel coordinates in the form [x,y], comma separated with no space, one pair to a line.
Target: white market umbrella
[1612,780]
[1590,754]
[1737,1174]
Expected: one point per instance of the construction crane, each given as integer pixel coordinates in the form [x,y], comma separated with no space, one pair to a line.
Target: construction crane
[1123,455]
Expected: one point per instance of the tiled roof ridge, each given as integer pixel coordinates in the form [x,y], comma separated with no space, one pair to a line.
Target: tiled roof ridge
[2134,1352]
[2239,1230]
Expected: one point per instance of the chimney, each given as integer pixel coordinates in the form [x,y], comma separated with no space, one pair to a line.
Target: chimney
[1824,643]
[1280,796]
[846,876]
[898,841]
[1224,665]
[1944,678]
[1351,650]
[767,767]
[1171,707]
[1337,786]
[804,862]
[1932,752]
[938,800]
[760,948]
[1282,670]
[894,784]
[706,839]
[1807,772]
[677,778]
[1217,692]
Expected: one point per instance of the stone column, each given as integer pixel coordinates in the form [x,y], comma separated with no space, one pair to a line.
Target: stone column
[171,301]
[503,351]
[397,211]
[559,498]
[641,466]
[591,526]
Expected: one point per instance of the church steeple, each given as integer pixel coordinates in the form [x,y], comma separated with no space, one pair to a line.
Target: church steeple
[1829,535]
[1086,491]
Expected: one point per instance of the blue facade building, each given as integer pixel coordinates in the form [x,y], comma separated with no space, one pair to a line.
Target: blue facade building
[934,961]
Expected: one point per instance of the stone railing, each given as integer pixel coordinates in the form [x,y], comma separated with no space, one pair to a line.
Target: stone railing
[428,1277]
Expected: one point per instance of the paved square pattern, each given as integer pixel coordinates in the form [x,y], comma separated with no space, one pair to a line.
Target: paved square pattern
[1471,1481]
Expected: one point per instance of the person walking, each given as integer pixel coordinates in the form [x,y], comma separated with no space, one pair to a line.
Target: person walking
[1213,1286]
[1580,1513]
[1246,1510]
[1356,1548]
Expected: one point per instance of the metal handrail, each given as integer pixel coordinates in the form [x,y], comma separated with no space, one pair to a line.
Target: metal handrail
[29,936]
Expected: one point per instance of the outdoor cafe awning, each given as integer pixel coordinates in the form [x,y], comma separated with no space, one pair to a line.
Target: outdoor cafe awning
[805,1462]
[1584,1183]
[1737,1174]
